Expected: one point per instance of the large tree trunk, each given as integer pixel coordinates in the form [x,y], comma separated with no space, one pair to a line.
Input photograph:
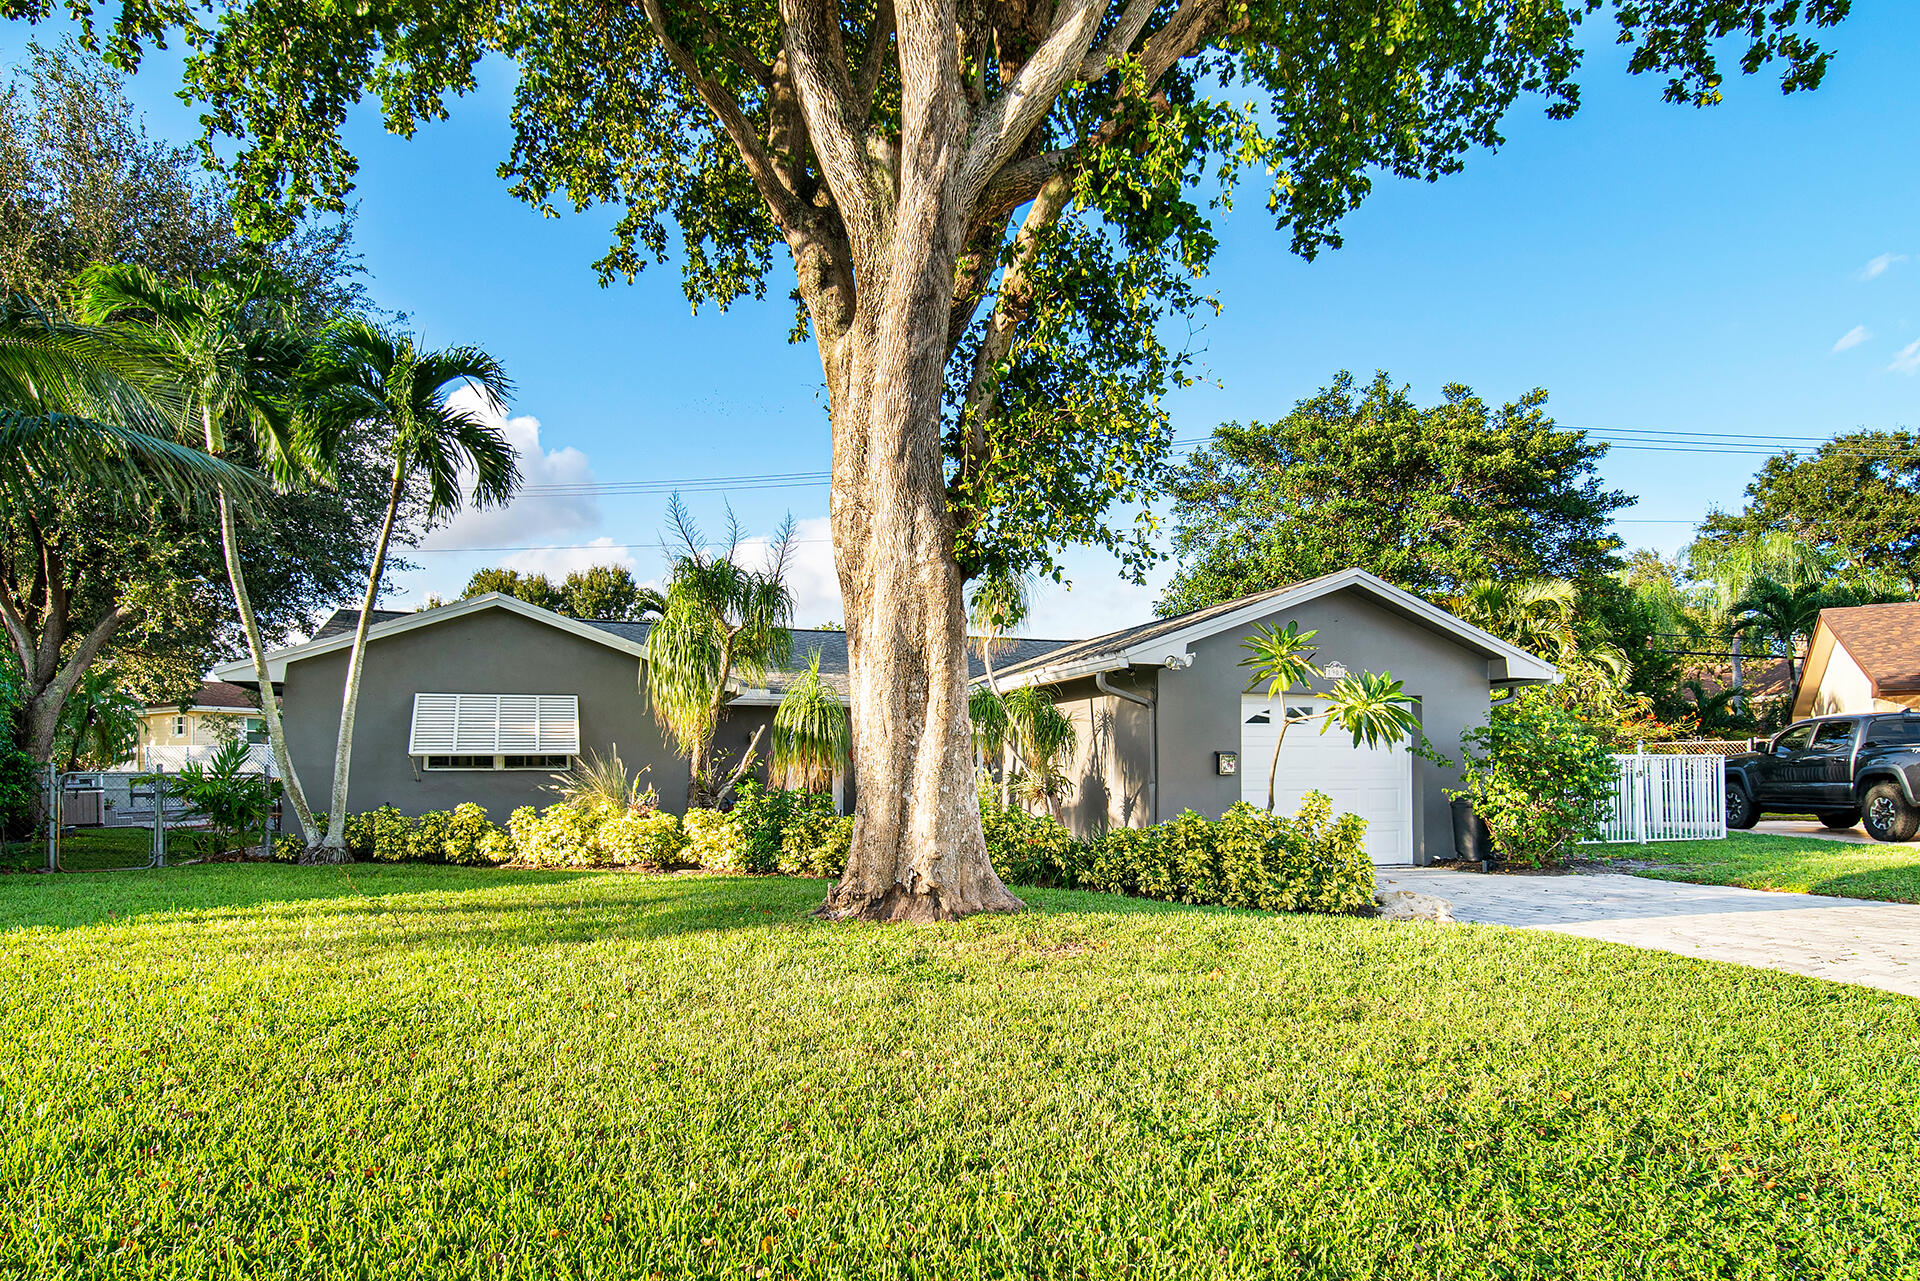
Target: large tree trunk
[333,849]
[918,853]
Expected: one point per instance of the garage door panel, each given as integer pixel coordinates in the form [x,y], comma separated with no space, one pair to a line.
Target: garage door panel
[1374,782]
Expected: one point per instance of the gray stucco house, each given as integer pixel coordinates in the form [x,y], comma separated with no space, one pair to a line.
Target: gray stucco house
[1167,723]
[490,699]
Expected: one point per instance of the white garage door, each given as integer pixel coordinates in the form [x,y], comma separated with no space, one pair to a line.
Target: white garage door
[1374,782]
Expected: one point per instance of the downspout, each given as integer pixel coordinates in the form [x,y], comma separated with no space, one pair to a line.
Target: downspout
[1153,739]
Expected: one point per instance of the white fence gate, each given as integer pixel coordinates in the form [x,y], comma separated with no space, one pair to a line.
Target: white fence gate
[1668,798]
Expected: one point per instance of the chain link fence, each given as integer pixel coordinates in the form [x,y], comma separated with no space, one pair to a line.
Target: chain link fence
[122,820]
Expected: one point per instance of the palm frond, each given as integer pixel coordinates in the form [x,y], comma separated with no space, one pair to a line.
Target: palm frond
[811,736]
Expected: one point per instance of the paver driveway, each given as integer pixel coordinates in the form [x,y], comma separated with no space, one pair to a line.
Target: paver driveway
[1848,939]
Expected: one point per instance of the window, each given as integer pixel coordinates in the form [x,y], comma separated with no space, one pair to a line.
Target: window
[1834,734]
[459,762]
[1792,740]
[179,727]
[1901,731]
[518,725]
[256,729]
[500,761]
[536,762]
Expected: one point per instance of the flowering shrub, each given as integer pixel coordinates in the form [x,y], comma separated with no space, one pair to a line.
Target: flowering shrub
[1540,779]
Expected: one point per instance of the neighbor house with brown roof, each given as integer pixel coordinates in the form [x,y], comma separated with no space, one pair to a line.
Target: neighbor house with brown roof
[217,713]
[1865,658]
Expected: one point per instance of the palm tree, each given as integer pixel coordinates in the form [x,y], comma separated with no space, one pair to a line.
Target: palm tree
[230,347]
[1376,710]
[1537,614]
[77,404]
[999,604]
[811,736]
[370,378]
[1783,617]
[1731,569]
[100,722]
[721,619]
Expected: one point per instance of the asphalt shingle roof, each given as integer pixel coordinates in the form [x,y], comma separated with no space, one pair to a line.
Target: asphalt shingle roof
[1884,640]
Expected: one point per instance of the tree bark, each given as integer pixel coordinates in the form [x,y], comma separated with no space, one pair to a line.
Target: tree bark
[269,701]
[918,853]
[333,848]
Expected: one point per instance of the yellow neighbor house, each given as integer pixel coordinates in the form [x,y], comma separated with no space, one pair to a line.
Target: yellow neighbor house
[218,714]
[1865,658]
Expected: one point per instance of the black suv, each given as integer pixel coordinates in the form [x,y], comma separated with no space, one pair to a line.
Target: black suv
[1842,769]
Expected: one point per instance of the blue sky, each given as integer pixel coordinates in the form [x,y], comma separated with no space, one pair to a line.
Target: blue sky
[1748,273]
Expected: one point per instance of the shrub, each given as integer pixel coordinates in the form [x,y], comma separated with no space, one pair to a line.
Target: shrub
[1028,849]
[714,842]
[1310,862]
[1539,779]
[816,841]
[761,816]
[21,785]
[233,801]
[641,836]
[471,839]
[562,835]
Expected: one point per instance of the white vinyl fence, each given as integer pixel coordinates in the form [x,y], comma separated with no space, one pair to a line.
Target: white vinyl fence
[1668,798]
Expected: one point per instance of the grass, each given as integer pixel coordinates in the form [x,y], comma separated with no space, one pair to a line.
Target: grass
[269,1071]
[1807,865]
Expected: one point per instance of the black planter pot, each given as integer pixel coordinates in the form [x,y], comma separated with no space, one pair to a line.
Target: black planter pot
[1472,843]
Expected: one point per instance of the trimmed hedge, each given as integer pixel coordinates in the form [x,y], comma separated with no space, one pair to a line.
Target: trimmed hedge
[1307,862]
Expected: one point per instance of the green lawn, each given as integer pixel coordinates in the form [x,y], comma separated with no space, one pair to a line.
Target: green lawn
[1806,864]
[269,1071]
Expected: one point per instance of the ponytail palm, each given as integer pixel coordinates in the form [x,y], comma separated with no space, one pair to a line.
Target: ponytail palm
[721,619]
[373,380]
[811,739]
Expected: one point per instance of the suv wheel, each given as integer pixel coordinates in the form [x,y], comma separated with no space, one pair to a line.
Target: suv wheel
[1741,812]
[1840,820]
[1888,816]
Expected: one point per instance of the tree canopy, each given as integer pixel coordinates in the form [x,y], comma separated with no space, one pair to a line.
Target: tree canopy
[1856,498]
[1432,499]
[598,591]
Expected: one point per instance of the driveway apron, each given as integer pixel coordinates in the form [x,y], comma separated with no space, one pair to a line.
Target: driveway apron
[1845,939]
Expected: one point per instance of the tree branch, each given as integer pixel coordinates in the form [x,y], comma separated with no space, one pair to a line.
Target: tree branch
[874,63]
[1118,40]
[1011,310]
[739,130]
[1003,127]
[826,103]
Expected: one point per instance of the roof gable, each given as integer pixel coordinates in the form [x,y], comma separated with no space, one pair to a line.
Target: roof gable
[1884,640]
[1154,643]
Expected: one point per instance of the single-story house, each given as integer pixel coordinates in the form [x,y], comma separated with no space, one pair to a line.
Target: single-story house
[218,713]
[1168,721]
[490,699]
[1864,658]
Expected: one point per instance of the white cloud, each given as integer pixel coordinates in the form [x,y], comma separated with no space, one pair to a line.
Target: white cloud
[1907,359]
[535,517]
[811,577]
[1877,266]
[1852,338]
[557,562]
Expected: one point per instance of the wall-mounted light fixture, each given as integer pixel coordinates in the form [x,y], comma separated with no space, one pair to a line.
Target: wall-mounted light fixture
[1226,764]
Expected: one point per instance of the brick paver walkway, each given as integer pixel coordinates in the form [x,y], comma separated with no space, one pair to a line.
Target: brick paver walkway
[1845,939]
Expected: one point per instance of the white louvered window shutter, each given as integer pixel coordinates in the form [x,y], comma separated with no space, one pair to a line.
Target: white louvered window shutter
[433,717]
[520,722]
[478,729]
[559,724]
